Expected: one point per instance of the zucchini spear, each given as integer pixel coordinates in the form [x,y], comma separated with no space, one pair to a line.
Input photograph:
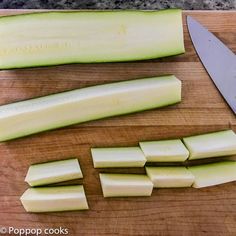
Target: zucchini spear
[213,174]
[53,172]
[222,143]
[164,150]
[170,176]
[125,185]
[118,157]
[86,104]
[52,199]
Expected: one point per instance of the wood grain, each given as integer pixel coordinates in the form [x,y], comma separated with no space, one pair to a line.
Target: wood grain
[210,211]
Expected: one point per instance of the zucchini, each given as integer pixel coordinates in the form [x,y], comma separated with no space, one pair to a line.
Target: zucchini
[80,105]
[53,38]
[125,185]
[164,151]
[53,172]
[222,143]
[118,157]
[52,199]
[213,173]
[170,177]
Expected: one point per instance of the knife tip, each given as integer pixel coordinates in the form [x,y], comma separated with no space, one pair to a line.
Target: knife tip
[189,19]
[192,23]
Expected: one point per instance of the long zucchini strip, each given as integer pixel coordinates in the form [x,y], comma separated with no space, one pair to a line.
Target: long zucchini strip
[86,104]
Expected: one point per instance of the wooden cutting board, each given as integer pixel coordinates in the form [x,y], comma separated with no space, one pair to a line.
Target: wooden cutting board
[210,211]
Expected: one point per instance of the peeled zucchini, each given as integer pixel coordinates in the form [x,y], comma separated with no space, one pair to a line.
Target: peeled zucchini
[164,151]
[170,176]
[80,105]
[125,185]
[213,173]
[53,172]
[53,38]
[222,143]
[118,157]
[52,199]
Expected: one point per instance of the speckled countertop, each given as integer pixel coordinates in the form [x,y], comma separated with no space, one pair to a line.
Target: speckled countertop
[120,4]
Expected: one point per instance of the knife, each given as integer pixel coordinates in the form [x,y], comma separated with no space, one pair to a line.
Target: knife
[218,60]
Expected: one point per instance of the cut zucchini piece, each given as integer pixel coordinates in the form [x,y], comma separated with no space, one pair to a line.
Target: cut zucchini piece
[164,151]
[53,38]
[80,105]
[52,199]
[170,176]
[53,172]
[125,185]
[118,157]
[213,173]
[222,143]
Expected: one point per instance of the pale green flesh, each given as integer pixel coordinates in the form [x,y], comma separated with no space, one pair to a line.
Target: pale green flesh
[52,199]
[222,143]
[125,185]
[170,177]
[213,174]
[80,37]
[53,172]
[118,157]
[164,151]
[80,105]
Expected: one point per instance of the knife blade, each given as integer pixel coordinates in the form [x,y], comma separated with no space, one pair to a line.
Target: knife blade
[218,60]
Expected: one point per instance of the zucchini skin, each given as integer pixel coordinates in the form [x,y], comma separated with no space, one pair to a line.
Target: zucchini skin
[126,56]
